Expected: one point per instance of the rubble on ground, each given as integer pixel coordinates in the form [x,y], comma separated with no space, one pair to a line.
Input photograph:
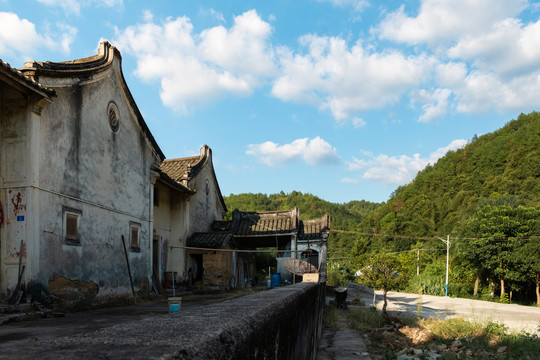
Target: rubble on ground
[411,343]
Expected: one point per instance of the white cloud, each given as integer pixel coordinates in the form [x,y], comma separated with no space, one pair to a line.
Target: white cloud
[357,5]
[358,164]
[67,37]
[197,68]
[482,92]
[486,59]
[445,21]
[216,15]
[510,49]
[398,170]
[346,81]
[69,6]
[19,37]
[314,152]
[435,104]
[395,169]
[148,16]
[348,180]
[482,59]
[74,6]
[440,152]
[358,122]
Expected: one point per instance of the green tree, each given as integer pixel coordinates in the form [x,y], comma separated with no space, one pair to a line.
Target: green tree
[530,255]
[382,272]
[497,250]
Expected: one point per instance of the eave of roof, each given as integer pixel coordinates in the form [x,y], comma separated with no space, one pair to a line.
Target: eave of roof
[265,223]
[177,186]
[22,82]
[210,240]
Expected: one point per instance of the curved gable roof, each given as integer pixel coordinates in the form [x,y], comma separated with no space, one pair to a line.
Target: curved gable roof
[313,229]
[86,67]
[182,170]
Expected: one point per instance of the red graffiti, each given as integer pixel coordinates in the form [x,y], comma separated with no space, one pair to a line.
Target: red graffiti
[15,253]
[18,206]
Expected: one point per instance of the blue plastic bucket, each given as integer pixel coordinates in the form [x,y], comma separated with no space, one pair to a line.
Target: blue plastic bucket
[275,280]
[174,304]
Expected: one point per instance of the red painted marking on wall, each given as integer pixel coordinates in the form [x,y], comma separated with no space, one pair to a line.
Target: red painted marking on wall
[16,252]
[18,205]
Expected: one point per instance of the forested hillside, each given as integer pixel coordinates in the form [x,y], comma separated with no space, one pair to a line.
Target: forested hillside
[485,196]
[344,216]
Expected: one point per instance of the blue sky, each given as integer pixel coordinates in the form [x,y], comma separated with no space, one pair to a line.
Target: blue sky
[344,99]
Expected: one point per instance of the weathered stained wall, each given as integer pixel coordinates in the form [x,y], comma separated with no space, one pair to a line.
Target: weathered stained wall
[101,174]
[205,205]
[18,124]
[217,269]
[171,220]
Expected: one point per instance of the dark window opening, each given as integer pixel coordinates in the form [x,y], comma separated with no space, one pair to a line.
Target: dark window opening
[134,237]
[71,227]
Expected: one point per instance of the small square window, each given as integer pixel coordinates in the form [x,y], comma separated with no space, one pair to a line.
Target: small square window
[134,231]
[71,227]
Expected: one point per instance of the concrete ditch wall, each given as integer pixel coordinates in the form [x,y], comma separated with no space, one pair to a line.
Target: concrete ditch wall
[283,323]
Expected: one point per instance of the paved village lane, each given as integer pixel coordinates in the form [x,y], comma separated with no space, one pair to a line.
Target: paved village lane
[19,334]
[516,317]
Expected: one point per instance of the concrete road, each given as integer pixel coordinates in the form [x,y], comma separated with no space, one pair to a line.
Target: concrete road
[17,334]
[516,317]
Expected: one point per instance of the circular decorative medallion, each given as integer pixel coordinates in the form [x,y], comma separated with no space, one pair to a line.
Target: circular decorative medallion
[114,119]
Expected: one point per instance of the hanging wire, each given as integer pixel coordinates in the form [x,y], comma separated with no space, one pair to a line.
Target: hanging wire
[413,237]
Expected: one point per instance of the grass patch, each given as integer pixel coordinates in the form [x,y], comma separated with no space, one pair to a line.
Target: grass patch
[331,318]
[453,328]
[484,338]
[477,339]
[365,319]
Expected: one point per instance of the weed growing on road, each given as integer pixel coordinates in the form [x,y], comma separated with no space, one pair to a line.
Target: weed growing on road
[331,318]
[450,339]
[453,328]
[365,319]
[487,340]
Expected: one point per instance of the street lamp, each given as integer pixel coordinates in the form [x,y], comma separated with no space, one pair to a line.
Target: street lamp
[447,242]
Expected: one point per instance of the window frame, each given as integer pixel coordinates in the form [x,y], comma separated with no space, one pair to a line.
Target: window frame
[137,246]
[69,239]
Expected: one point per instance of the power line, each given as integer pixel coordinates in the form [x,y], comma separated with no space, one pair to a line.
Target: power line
[386,235]
[406,251]
[413,237]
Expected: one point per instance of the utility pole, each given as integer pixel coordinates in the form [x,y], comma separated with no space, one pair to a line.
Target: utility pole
[447,242]
[418,262]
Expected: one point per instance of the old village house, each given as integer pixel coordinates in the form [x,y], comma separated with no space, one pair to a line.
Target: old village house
[79,173]
[227,253]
